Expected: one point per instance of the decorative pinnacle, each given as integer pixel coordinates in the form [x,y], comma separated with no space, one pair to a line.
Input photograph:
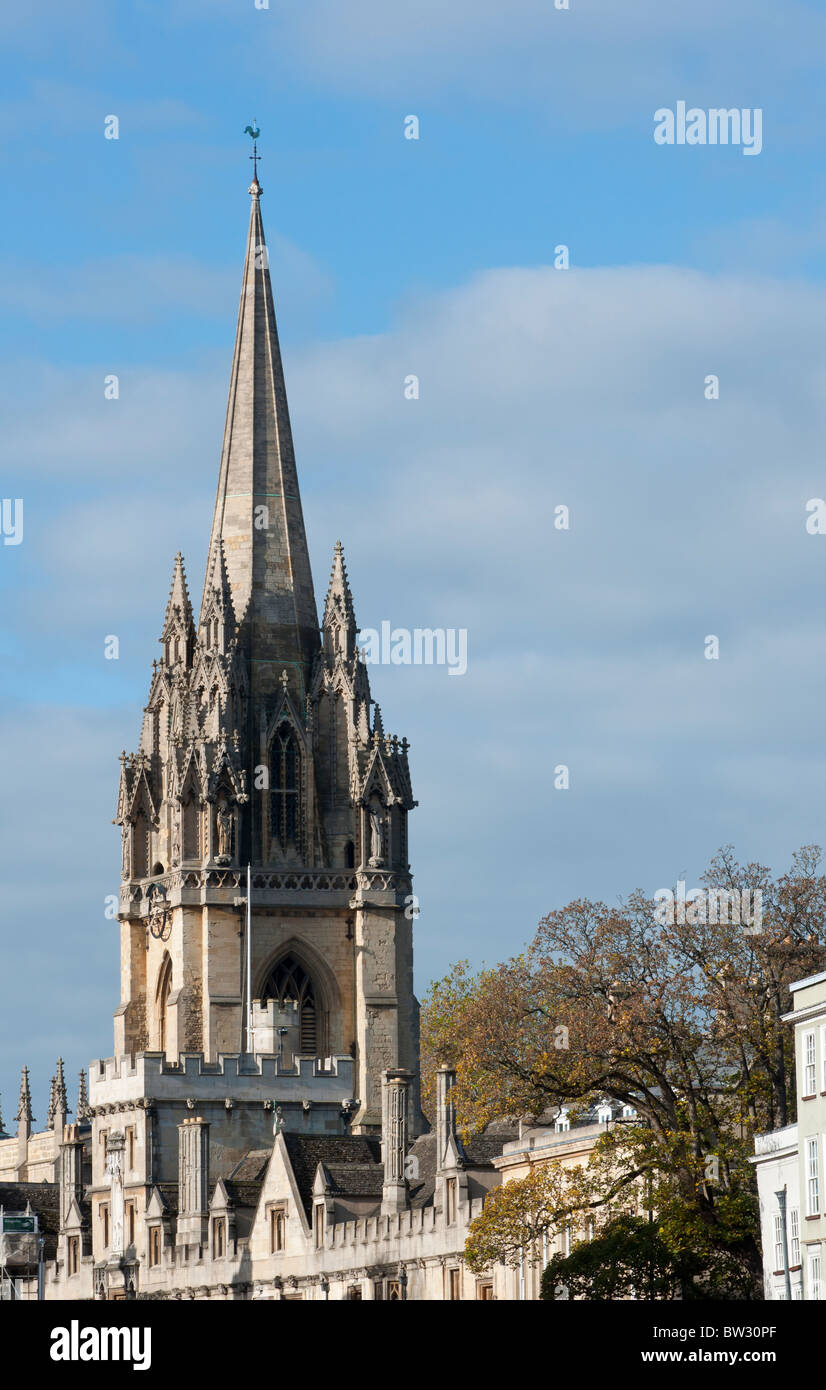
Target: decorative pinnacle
[24,1108]
[50,1113]
[61,1099]
[83,1113]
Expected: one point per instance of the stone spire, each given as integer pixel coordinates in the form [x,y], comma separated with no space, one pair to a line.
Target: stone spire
[24,1107]
[50,1113]
[178,627]
[3,1134]
[258,512]
[217,624]
[61,1099]
[339,625]
[82,1114]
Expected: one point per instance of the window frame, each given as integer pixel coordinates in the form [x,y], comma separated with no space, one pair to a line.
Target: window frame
[278,1229]
[809,1064]
[812,1176]
[794,1237]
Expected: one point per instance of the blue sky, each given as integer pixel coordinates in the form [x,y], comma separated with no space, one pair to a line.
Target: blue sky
[539,387]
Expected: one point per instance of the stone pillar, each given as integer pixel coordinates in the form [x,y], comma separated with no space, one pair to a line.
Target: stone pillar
[396,1084]
[193,1182]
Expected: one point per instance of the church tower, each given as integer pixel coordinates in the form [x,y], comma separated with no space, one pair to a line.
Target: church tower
[261,746]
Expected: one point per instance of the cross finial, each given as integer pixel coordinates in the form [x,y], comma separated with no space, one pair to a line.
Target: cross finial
[254,132]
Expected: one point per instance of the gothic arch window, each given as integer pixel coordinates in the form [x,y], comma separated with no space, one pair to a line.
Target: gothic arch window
[291,986]
[162,998]
[140,846]
[191,828]
[285,789]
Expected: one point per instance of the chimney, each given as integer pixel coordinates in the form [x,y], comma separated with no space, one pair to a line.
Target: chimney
[448,1148]
[71,1171]
[395,1091]
[193,1182]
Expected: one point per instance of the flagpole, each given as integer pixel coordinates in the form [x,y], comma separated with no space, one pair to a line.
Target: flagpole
[249,959]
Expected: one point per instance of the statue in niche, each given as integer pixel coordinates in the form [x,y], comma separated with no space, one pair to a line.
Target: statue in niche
[176,845]
[224,825]
[376,814]
[124,870]
[114,1171]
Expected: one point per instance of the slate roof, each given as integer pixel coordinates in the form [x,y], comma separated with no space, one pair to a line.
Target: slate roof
[356,1179]
[169,1193]
[479,1154]
[243,1194]
[252,1167]
[336,1152]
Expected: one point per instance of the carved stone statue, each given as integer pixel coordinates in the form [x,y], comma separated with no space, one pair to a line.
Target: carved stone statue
[376,813]
[114,1169]
[224,823]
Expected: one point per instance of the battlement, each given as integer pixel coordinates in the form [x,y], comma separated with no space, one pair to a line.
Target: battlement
[237,1077]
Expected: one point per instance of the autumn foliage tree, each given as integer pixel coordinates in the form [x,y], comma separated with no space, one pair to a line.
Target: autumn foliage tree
[679,1016]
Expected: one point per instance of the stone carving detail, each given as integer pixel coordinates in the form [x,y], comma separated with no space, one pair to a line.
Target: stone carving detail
[114,1169]
[376,814]
[223,823]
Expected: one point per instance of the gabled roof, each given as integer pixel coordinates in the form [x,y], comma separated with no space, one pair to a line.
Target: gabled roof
[337,1152]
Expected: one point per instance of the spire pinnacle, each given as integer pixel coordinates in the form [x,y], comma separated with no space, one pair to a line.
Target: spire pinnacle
[339,625]
[82,1113]
[24,1107]
[61,1099]
[50,1113]
[177,622]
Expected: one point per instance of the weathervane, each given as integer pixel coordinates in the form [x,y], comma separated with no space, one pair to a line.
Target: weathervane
[253,132]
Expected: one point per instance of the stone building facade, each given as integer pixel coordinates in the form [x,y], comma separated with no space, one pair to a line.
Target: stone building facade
[791,1163]
[257,1132]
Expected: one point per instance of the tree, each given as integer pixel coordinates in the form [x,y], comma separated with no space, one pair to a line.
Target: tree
[679,1017]
[628,1259]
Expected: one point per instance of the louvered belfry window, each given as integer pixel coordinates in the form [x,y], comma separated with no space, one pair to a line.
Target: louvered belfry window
[285,788]
[290,984]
